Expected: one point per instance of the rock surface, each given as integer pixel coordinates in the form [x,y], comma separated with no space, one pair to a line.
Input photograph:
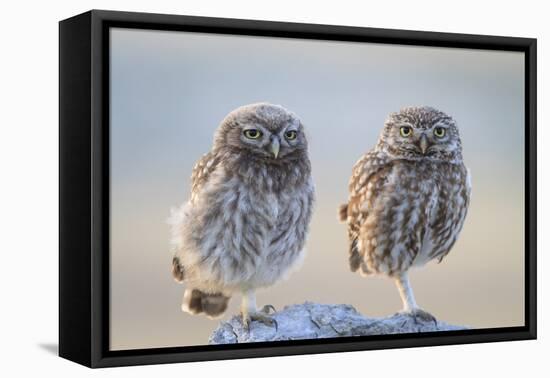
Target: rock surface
[313,321]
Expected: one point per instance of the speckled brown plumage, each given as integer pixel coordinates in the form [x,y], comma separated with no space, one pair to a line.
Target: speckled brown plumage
[408,197]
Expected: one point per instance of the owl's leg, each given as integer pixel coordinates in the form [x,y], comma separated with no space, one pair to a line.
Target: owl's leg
[250,312]
[409,303]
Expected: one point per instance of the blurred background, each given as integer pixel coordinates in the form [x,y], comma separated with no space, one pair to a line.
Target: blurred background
[170,90]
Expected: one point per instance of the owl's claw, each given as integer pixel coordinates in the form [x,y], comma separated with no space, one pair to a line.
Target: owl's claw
[260,316]
[266,309]
[419,314]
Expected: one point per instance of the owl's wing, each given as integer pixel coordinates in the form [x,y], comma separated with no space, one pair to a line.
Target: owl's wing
[202,171]
[465,193]
[363,173]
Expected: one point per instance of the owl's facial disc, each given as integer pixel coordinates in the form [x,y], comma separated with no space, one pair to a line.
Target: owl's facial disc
[269,141]
[425,143]
[421,141]
[261,141]
[421,133]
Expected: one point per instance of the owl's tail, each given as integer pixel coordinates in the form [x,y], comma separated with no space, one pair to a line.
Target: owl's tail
[343,212]
[198,302]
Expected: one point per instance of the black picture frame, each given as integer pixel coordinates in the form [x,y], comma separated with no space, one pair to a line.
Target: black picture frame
[84,187]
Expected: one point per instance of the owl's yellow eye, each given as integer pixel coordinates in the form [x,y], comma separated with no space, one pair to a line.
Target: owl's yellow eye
[291,135]
[405,131]
[439,132]
[252,133]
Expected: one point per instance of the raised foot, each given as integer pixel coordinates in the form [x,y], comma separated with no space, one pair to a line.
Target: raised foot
[263,316]
[419,314]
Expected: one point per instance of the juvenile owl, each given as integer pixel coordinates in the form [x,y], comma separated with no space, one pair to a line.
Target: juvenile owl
[246,222]
[408,198]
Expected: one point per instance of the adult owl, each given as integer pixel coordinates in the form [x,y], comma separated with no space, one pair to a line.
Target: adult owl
[408,198]
[246,222]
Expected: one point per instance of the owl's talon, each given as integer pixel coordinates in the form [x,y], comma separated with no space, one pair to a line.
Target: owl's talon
[419,314]
[266,309]
[261,317]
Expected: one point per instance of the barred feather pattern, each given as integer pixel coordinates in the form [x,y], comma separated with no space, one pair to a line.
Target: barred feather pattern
[405,207]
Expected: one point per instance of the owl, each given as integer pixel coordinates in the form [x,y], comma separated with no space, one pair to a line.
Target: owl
[408,199]
[245,224]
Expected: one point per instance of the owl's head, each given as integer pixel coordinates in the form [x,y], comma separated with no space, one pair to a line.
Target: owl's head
[264,131]
[423,132]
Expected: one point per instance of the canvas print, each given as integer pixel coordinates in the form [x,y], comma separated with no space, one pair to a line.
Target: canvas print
[268,189]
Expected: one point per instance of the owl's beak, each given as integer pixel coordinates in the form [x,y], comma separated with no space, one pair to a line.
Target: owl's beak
[275,147]
[424,143]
